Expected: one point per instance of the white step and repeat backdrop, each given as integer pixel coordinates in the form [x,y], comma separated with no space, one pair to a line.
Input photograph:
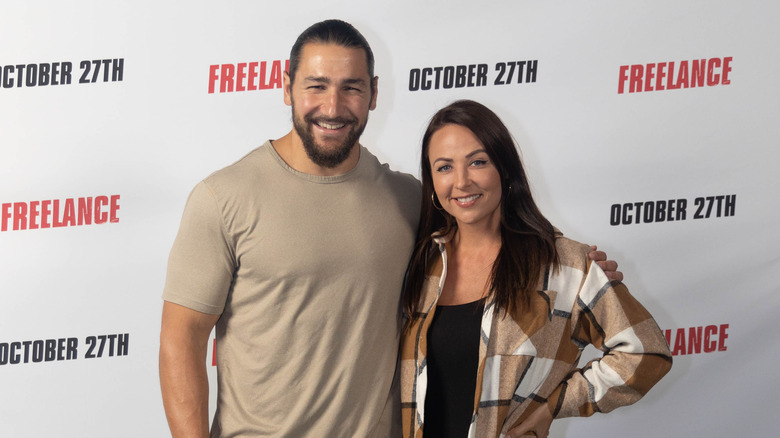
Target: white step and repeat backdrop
[649,128]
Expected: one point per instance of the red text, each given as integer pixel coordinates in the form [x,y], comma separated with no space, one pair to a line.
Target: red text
[697,340]
[54,213]
[671,76]
[246,76]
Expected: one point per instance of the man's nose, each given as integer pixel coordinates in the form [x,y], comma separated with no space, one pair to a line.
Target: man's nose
[331,107]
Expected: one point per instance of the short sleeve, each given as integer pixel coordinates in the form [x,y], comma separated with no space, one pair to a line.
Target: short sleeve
[201,262]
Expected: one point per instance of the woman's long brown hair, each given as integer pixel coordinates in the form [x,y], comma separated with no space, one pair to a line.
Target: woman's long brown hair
[527,237]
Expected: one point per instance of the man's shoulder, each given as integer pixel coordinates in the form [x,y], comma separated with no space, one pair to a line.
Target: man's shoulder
[395,178]
[402,179]
[241,172]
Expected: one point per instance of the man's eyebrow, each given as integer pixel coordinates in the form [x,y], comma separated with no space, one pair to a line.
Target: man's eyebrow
[326,80]
[354,81]
[319,79]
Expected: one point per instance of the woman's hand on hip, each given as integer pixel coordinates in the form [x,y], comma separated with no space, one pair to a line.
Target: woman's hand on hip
[537,424]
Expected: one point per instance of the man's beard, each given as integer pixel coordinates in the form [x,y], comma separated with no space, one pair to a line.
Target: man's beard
[326,157]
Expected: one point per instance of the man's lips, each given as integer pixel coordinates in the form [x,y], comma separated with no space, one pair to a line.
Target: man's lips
[329,125]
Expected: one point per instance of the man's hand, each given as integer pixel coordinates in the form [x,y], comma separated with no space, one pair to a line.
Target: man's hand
[609,266]
[537,424]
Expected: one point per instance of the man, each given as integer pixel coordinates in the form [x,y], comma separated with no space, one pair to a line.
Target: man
[297,254]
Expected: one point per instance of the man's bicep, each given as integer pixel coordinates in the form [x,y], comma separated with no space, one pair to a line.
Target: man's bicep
[202,261]
[183,324]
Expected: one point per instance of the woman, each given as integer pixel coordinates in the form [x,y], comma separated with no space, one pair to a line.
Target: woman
[499,304]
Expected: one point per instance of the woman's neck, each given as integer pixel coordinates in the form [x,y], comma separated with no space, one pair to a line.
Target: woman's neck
[477,238]
[470,258]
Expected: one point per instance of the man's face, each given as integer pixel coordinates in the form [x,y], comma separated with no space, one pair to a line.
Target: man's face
[330,101]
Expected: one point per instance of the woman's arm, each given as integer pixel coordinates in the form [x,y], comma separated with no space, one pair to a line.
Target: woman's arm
[636,355]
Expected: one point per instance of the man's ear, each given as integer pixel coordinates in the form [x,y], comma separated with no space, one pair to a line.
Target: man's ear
[372,104]
[287,86]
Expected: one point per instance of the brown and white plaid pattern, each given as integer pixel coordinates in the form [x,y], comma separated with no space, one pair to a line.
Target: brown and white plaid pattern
[530,356]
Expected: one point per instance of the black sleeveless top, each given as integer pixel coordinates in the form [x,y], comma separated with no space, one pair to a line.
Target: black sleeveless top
[453,360]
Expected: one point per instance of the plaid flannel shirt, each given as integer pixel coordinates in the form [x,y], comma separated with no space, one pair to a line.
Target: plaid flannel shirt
[531,356]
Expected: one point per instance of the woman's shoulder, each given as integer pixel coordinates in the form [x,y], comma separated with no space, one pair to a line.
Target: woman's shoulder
[572,253]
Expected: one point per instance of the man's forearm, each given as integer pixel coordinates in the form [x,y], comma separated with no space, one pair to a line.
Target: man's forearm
[184,383]
[185,390]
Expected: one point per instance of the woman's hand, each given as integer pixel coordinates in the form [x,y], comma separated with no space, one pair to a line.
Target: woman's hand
[537,424]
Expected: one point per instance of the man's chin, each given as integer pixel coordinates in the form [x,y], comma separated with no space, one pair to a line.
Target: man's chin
[328,150]
[329,157]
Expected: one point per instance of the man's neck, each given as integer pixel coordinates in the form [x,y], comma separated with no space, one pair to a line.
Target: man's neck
[290,149]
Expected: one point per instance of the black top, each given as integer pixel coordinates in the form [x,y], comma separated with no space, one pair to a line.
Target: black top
[453,360]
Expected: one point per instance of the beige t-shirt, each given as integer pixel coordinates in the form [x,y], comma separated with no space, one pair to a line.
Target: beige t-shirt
[307,273]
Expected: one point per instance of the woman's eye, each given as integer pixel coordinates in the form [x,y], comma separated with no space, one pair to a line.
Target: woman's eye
[443,168]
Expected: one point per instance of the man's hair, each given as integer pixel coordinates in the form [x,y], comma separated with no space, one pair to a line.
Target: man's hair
[332,32]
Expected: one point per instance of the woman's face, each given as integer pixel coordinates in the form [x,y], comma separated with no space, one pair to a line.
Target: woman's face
[464,178]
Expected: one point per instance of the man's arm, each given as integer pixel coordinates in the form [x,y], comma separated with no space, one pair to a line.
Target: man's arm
[183,345]
[608,266]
